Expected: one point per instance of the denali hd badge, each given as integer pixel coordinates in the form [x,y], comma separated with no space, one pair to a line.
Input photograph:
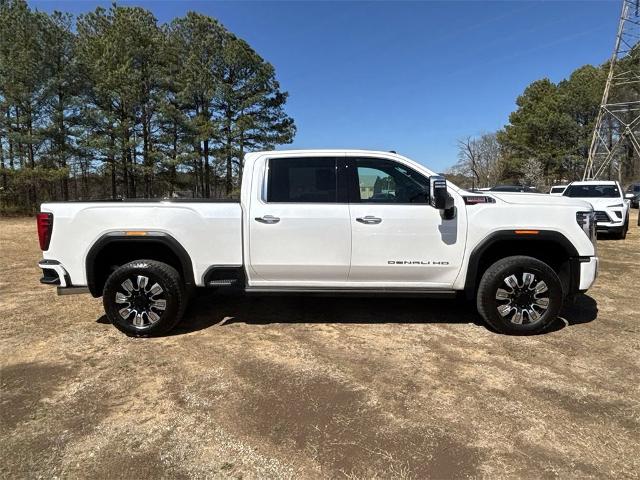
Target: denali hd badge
[415,262]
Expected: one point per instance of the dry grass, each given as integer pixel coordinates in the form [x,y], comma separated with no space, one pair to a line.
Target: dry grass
[307,388]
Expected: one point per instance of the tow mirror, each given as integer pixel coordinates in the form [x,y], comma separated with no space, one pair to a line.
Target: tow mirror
[440,198]
[438,195]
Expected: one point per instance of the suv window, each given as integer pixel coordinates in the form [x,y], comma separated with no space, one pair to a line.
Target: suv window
[385,181]
[302,180]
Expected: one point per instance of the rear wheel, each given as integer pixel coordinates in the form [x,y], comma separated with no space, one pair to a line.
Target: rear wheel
[519,295]
[144,298]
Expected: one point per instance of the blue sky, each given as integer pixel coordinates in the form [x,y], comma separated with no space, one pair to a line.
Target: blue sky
[408,76]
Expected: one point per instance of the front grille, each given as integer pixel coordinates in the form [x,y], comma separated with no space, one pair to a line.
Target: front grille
[602,216]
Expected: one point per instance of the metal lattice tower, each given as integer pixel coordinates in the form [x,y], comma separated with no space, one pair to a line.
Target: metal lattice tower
[618,122]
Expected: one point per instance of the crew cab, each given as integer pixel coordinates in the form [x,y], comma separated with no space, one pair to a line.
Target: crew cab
[326,222]
[610,205]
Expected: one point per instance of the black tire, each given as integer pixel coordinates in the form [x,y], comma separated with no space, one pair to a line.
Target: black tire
[496,278]
[622,233]
[143,296]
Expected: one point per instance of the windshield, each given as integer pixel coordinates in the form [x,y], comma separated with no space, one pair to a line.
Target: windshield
[592,191]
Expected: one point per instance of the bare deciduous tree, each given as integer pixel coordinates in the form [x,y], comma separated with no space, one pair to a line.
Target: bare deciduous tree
[481,159]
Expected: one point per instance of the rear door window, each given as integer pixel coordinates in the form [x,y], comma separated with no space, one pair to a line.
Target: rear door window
[302,180]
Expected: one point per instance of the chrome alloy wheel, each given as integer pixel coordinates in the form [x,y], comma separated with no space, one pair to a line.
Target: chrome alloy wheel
[523,302]
[142,303]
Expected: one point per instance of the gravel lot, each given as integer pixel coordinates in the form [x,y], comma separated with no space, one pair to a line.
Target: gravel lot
[295,387]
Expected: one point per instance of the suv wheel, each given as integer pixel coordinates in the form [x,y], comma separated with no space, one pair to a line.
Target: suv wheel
[144,298]
[622,233]
[519,295]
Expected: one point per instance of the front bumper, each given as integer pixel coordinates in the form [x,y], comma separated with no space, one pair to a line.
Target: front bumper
[610,219]
[609,227]
[588,272]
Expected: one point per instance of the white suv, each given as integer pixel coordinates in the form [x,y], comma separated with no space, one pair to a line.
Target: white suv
[611,208]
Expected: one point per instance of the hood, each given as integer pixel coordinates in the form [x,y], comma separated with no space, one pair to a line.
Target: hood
[599,203]
[540,199]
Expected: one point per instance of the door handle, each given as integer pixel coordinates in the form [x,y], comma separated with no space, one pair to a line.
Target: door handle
[268,219]
[369,220]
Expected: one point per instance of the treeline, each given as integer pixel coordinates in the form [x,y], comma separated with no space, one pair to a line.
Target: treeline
[548,136]
[112,104]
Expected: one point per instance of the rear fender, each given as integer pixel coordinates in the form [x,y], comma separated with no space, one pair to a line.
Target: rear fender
[94,280]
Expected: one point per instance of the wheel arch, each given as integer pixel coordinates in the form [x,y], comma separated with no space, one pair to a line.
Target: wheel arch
[118,248]
[549,246]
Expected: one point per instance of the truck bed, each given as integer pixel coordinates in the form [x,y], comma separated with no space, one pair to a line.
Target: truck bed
[210,231]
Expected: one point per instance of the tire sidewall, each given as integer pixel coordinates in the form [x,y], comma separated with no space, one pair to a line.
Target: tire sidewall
[166,276]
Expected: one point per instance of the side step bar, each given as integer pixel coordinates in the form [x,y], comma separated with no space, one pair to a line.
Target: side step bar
[401,292]
[72,290]
[223,282]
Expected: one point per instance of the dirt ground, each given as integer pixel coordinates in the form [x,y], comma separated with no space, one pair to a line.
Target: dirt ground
[295,387]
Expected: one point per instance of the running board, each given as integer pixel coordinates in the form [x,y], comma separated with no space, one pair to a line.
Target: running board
[223,283]
[72,290]
[351,291]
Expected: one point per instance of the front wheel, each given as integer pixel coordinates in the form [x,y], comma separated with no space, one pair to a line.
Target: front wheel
[519,295]
[144,298]
[622,233]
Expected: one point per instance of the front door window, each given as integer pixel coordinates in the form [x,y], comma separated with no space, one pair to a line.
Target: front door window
[384,181]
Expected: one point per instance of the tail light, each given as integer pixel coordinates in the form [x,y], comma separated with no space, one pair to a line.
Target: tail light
[45,227]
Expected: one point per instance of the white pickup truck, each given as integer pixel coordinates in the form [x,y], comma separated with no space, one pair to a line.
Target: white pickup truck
[326,222]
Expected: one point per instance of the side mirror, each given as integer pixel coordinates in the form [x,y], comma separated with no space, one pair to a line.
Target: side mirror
[438,196]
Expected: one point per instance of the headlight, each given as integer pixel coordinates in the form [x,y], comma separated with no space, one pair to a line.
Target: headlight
[616,205]
[587,220]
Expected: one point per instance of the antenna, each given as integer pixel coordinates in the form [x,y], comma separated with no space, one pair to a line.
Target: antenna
[617,129]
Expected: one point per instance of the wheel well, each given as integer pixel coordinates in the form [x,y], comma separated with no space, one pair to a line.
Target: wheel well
[111,253]
[551,251]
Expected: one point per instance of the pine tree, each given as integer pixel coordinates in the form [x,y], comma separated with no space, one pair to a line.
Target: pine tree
[117,105]
[118,49]
[62,91]
[22,80]
[198,42]
[539,129]
[249,105]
